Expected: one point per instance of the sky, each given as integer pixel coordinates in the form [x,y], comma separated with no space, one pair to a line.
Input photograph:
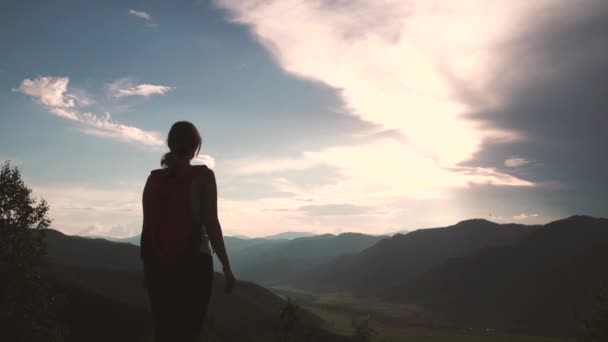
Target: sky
[319,116]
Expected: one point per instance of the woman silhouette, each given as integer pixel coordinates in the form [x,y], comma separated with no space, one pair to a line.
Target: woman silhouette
[179,221]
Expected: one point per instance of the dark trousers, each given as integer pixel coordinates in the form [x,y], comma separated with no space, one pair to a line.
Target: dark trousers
[179,296]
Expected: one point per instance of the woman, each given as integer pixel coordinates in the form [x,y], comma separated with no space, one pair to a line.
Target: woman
[180,220]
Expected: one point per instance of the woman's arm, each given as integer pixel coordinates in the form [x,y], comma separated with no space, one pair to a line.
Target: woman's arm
[145,243]
[145,248]
[213,228]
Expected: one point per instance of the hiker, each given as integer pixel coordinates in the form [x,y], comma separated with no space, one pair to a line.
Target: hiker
[180,230]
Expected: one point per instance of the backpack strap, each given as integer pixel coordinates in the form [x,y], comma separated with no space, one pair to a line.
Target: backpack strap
[199,197]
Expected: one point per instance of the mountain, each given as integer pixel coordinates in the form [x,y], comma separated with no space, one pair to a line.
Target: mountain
[401,258]
[234,244]
[259,259]
[289,235]
[134,240]
[92,252]
[543,284]
[98,274]
[277,260]
[402,232]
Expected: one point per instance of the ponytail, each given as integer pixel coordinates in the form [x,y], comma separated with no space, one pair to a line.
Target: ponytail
[169,162]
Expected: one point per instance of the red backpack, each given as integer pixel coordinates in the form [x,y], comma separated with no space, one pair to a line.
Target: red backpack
[169,232]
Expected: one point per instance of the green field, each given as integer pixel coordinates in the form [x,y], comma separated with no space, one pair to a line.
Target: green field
[342,311]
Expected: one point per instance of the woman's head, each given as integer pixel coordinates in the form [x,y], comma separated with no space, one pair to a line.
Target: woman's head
[184,143]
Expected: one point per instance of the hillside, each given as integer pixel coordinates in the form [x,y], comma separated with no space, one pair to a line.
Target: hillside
[92,252]
[109,274]
[543,284]
[269,263]
[401,258]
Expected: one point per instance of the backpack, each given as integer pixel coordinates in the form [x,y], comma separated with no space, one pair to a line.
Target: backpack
[172,231]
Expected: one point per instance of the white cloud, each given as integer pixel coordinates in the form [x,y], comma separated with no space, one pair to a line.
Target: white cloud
[53,93]
[140,14]
[384,167]
[516,161]
[121,83]
[105,127]
[50,91]
[394,62]
[523,216]
[64,113]
[143,90]
[204,159]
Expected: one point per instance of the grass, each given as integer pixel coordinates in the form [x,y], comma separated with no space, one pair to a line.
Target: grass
[341,311]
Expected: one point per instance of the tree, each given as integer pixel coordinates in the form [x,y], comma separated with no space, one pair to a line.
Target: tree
[25,303]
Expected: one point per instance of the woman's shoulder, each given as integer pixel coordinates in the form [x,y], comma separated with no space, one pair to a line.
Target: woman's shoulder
[157,172]
[206,171]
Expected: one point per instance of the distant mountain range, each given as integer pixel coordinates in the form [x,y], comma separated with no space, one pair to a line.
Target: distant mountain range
[271,261]
[401,258]
[280,236]
[268,260]
[289,235]
[525,279]
[533,279]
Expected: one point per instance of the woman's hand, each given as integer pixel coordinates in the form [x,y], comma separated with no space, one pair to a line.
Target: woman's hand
[229,279]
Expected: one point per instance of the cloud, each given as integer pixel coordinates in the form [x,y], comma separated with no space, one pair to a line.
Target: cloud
[394,63]
[382,168]
[204,159]
[551,88]
[516,162]
[105,127]
[388,59]
[143,90]
[470,85]
[523,216]
[64,113]
[52,92]
[140,14]
[124,87]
